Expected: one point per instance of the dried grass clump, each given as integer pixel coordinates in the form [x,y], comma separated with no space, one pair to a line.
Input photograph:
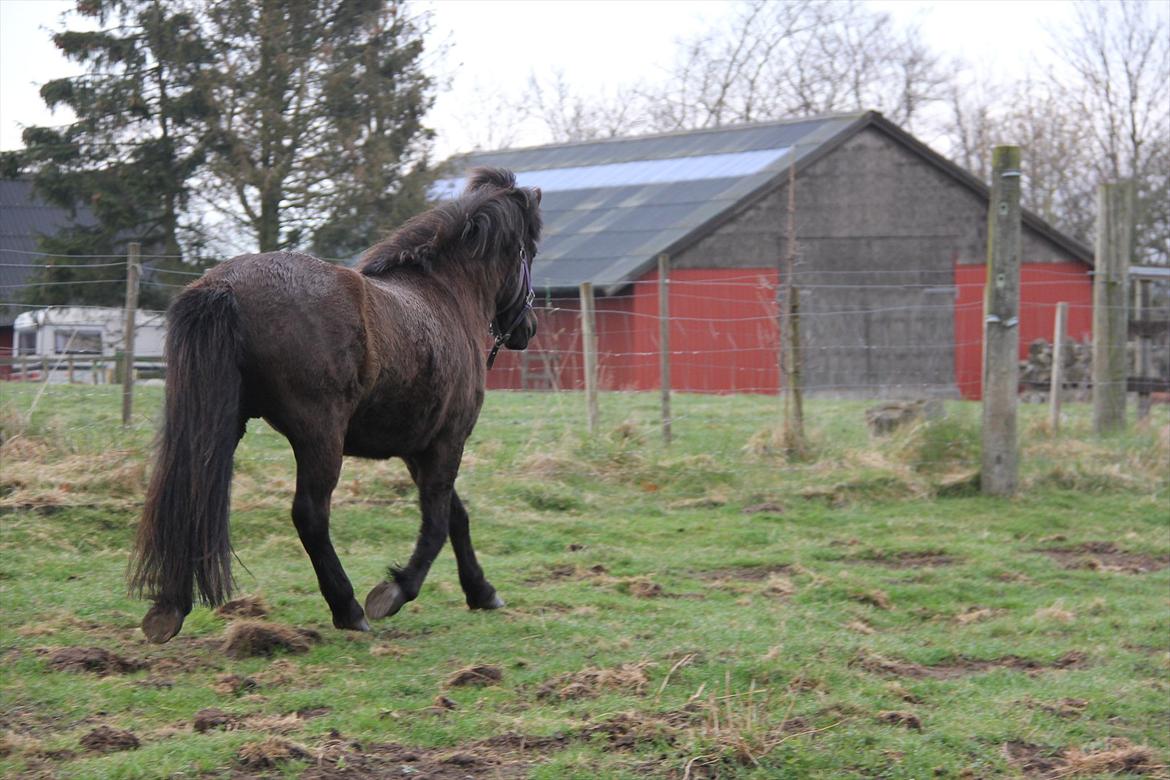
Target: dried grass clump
[1120,755]
[243,607]
[587,683]
[249,638]
[270,754]
[941,445]
[477,674]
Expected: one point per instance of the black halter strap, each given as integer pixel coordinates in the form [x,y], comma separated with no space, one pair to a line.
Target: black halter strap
[529,297]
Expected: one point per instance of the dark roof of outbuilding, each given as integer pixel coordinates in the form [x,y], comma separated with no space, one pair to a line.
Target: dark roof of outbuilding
[612,206]
[23,219]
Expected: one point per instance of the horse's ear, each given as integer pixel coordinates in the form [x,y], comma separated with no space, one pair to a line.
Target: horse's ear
[500,178]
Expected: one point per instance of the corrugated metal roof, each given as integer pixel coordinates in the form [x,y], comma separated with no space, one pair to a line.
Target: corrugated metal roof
[610,207]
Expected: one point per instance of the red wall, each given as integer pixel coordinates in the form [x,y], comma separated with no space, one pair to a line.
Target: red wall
[1042,286]
[722,337]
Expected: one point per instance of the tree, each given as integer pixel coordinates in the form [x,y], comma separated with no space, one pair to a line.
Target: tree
[138,138]
[317,112]
[799,58]
[1118,63]
[1100,116]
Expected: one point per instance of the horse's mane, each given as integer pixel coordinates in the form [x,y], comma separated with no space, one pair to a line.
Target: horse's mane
[491,216]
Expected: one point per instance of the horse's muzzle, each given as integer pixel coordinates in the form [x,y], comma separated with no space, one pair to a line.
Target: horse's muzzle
[522,333]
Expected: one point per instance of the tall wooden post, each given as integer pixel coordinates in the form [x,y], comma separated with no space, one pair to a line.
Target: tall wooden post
[664,341]
[1142,357]
[128,333]
[589,347]
[791,359]
[1115,227]
[1001,332]
[1059,336]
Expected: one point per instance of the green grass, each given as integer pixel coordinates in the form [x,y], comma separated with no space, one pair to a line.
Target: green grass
[747,674]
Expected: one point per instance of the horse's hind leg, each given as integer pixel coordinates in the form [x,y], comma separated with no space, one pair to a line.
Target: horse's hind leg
[435,477]
[479,592]
[318,467]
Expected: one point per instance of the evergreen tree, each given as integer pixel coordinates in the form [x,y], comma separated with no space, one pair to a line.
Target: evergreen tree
[318,110]
[128,159]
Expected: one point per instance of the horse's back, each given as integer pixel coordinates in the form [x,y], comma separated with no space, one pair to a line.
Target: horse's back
[304,332]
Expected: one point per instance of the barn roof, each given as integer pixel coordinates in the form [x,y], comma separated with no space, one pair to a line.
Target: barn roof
[24,217]
[612,206]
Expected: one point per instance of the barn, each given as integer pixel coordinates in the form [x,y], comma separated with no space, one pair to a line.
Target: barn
[891,243]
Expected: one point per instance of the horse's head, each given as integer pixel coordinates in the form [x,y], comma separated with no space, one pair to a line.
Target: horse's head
[514,323]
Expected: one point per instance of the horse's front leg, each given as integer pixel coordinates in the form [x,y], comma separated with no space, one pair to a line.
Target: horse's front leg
[318,467]
[479,592]
[436,486]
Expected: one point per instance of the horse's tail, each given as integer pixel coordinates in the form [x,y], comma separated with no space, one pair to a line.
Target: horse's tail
[183,535]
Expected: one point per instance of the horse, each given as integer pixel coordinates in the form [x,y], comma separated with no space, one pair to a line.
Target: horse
[383,361]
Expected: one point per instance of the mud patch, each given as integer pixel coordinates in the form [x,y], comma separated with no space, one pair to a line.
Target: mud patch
[213,718]
[1105,556]
[478,675]
[1118,755]
[104,739]
[250,638]
[245,607]
[963,666]
[747,573]
[94,660]
[234,685]
[587,683]
[899,718]
[907,559]
[500,758]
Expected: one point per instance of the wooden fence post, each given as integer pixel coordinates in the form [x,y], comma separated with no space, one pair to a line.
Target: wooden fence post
[791,358]
[1001,332]
[1142,356]
[1059,336]
[1115,227]
[589,347]
[128,333]
[664,341]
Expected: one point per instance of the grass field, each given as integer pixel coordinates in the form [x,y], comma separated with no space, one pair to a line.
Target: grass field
[710,610]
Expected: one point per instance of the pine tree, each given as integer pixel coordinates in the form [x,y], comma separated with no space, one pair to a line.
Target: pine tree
[319,107]
[124,167]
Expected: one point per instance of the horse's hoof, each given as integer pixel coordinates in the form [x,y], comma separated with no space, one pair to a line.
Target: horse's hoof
[162,623]
[361,624]
[384,600]
[495,602]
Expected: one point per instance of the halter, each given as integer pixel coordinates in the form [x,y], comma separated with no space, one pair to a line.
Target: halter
[529,296]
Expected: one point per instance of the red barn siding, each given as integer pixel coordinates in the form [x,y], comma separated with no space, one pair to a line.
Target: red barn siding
[1042,286]
[723,335]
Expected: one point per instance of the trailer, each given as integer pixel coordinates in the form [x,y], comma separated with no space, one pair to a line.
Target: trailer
[84,344]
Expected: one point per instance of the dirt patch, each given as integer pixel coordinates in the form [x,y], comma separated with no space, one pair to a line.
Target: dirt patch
[246,607]
[212,718]
[234,685]
[94,660]
[270,753]
[479,675]
[1065,708]
[1105,556]
[898,718]
[568,571]
[874,598]
[104,739]
[499,758]
[1118,755]
[249,638]
[907,559]
[963,666]
[641,587]
[590,682]
[748,573]
[765,507]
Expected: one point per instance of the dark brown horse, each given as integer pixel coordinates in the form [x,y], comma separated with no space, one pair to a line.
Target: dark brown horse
[386,361]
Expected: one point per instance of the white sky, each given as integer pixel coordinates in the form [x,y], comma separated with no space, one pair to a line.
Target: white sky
[599,44]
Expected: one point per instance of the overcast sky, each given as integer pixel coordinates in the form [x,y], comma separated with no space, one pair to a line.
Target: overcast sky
[493,46]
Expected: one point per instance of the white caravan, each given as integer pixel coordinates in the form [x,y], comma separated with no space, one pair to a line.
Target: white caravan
[84,341]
